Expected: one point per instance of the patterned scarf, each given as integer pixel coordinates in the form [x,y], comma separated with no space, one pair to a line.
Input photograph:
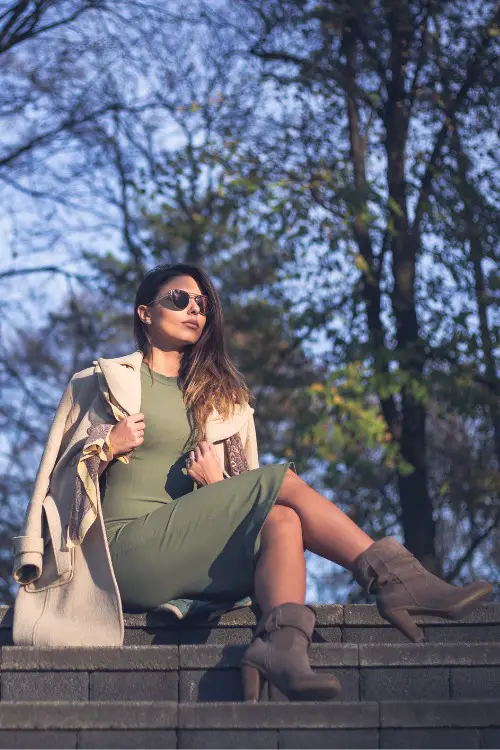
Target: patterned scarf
[97,449]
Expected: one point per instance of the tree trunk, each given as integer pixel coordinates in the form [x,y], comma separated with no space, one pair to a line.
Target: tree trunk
[416,505]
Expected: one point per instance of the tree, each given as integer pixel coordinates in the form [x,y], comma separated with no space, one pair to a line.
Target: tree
[379,60]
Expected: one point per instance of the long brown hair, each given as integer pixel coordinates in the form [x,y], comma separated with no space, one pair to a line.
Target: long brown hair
[207,376]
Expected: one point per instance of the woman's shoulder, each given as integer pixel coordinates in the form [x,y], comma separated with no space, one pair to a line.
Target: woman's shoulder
[83,374]
[83,381]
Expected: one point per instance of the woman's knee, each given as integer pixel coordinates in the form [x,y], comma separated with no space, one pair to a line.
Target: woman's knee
[283,514]
[290,484]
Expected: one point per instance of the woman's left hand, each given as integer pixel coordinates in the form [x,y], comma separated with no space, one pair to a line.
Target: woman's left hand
[205,467]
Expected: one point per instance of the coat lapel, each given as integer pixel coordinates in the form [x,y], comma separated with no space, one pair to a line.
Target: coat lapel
[123,379]
[122,375]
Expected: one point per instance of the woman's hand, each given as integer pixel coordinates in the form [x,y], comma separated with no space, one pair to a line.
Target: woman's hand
[127,434]
[205,466]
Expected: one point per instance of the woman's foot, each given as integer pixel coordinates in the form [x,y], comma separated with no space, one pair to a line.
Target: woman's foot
[279,654]
[403,587]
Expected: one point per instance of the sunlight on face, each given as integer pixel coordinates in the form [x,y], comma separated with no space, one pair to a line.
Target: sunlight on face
[169,324]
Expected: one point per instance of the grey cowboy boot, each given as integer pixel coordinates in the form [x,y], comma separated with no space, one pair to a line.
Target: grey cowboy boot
[403,587]
[279,654]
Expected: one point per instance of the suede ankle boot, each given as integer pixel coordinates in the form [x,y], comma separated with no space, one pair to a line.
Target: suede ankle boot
[279,654]
[403,587]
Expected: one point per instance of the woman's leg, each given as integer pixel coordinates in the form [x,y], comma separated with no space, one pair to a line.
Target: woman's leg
[326,530]
[279,650]
[407,587]
[280,575]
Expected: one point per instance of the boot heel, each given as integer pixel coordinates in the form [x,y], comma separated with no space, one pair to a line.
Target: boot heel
[251,683]
[404,622]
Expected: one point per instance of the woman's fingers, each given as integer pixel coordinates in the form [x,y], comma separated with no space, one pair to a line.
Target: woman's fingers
[205,448]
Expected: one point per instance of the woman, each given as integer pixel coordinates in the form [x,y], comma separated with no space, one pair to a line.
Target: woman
[169,508]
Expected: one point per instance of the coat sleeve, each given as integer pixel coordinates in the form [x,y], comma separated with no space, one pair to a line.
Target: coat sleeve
[28,547]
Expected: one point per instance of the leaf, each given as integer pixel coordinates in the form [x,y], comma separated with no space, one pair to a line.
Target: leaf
[395,207]
[361,263]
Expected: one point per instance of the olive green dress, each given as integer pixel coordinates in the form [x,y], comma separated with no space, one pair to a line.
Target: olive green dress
[175,545]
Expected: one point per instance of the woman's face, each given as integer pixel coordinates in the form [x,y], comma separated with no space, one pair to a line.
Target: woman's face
[166,324]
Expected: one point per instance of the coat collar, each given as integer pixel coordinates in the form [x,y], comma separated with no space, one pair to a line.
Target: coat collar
[123,378]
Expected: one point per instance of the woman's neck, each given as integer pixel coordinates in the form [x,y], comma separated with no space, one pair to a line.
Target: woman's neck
[166,363]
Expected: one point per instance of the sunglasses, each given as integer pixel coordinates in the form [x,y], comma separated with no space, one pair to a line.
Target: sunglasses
[180,300]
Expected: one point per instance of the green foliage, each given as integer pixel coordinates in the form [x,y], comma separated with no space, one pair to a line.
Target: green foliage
[350,427]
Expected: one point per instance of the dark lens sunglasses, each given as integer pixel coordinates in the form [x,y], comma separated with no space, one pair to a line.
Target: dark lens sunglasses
[180,300]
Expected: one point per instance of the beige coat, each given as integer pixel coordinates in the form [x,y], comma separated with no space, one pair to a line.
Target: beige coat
[68,595]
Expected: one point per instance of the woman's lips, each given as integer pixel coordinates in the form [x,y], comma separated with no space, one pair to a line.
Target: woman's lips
[191,325]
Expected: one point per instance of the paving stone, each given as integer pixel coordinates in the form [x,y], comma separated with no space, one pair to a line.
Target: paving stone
[242,617]
[286,715]
[415,684]
[349,679]
[327,635]
[10,738]
[194,636]
[333,655]
[321,655]
[367,614]
[133,686]
[20,715]
[216,636]
[328,738]
[212,655]
[429,738]
[210,685]
[227,738]
[132,657]
[44,686]
[150,637]
[475,682]
[462,633]
[152,620]
[372,635]
[490,739]
[427,713]
[127,738]
[420,654]
[328,614]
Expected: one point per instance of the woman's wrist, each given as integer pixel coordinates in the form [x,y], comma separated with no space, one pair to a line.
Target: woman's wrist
[111,450]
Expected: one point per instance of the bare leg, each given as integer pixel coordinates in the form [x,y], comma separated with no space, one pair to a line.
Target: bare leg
[280,575]
[281,654]
[326,530]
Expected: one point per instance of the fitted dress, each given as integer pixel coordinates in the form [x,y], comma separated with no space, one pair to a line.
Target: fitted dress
[173,544]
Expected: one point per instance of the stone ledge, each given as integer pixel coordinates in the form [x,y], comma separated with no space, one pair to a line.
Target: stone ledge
[462,713]
[91,715]
[89,659]
[324,655]
[327,615]
[151,715]
[429,654]
[367,614]
[286,715]
[168,658]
